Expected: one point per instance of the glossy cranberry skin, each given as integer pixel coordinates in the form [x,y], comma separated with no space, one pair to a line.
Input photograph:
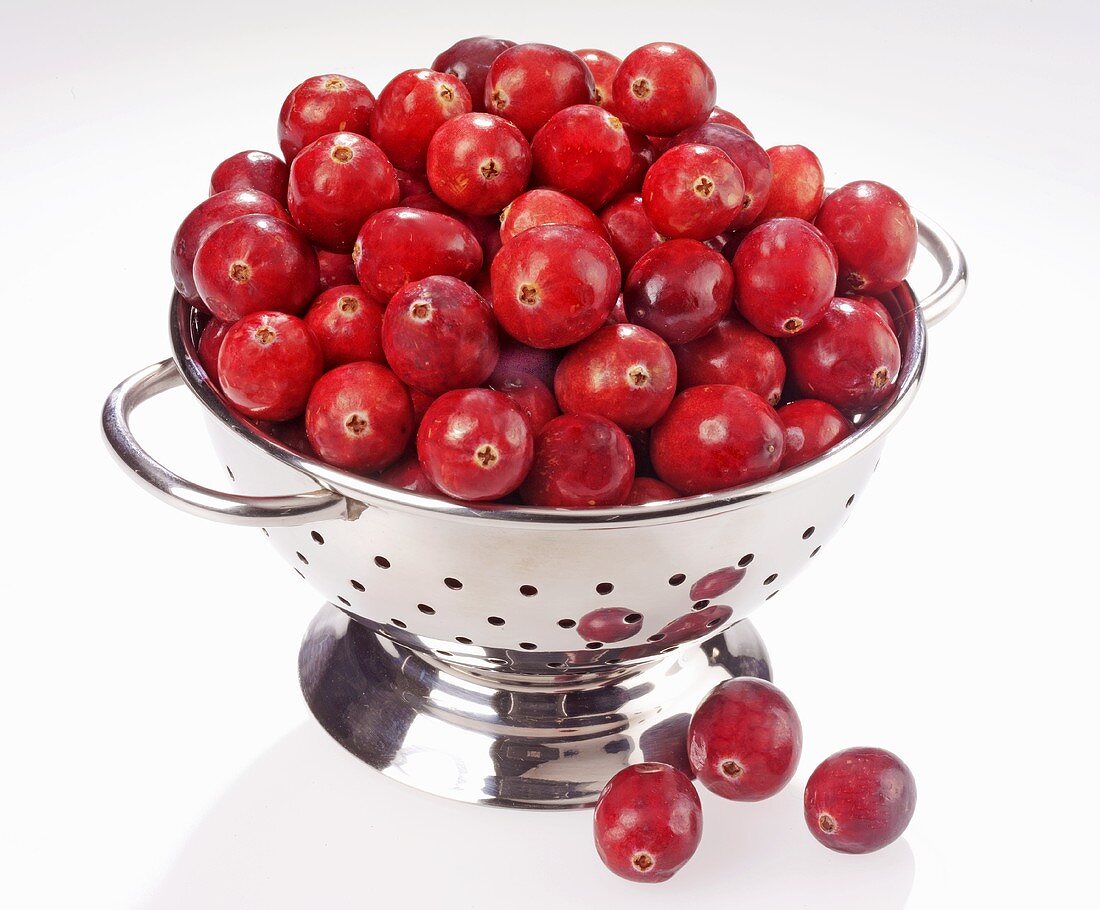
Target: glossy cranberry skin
[664,88]
[648,822]
[253,263]
[532,395]
[714,437]
[411,107]
[603,66]
[631,232]
[359,417]
[609,625]
[733,353]
[583,151]
[680,290]
[529,83]
[798,184]
[335,269]
[421,401]
[322,105]
[475,444]
[878,306]
[268,364]
[252,170]
[649,489]
[721,115]
[744,740]
[810,428]
[469,60]
[716,583]
[478,163]
[545,206]
[643,154]
[693,191]
[850,359]
[874,235]
[581,460]
[210,345]
[336,183]
[860,800]
[409,474]
[400,245]
[554,285]
[516,357]
[747,154]
[348,326]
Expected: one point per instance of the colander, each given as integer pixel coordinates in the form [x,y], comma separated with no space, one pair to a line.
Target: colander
[521,656]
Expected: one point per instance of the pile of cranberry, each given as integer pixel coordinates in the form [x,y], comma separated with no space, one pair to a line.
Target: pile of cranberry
[532,275]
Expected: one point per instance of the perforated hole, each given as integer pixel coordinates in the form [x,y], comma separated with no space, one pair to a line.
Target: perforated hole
[229,471]
[305,561]
[677,579]
[604,587]
[453,583]
[851,499]
[712,623]
[771,578]
[499,661]
[398,623]
[357,585]
[528,590]
[425,609]
[594,645]
[266,533]
[770,596]
[567,623]
[444,653]
[343,600]
[808,533]
[555,665]
[299,571]
[700,605]
[463,640]
[381,562]
[317,538]
[746,559]
[667,650]
[528,646]
[495,621]
[815,551]
[632,618]
[657,636]
[613,660]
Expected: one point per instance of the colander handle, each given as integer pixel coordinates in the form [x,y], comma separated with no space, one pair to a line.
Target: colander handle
[255,511]
[938,303]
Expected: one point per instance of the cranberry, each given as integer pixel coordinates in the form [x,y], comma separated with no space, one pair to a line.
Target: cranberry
[850,359]
[664,88]
[478,163]
[716,583]
[603,66]
[618,312]
[335,269]
[543,206]
[359,417]
[643,154]
[747,154]
[580,460]
[323,105]
[412,106]
[292,434]
[260,171]
[696,624]
[516,357]
[693,191]
[721,115]
[421,401]
[874,235]
[680,290]
[631,232]
[532,395]
[475,444]
[412,184]
[400,245]
[409,474]
[348,326]
[336,183]
[267,365]
[253,263]
[860,800]
[583,151]
[649,489]
[733,353]
[554,285]
[878,306]
[529,83]
[648,822]
[210,345]
[469,60]
[609,625]
[810,428]
[714,437]
[785,276]
[798,184]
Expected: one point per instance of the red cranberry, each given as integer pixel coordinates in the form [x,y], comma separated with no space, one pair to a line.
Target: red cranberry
[359,417]
[733,353]
[412,106]
[554,285]
[878,306]
[693,191]
[348,326]
[469,60]
[543,206]
[609,625]
[721,115]
[421,401]
[253,263]
[580,460]
[336,183]
[874,235]
[696,624]
[532,395]
[714,437]
[622,372]
[631,232]
[617,315]
[648,822]
[323,105]
[478,163]
[267,365]
[642,155]
[798,184]
[260,171]
[745,740]
[860,800]
[664,88]
[529,83]
[335,269]
[680,290]
[810,428]
[850,359]
[747,154]
[475,444]
[649,489]
[409,474]
[584,152]
[516,357]
[210,345]
[412,184]
[400,245]
[785,276]
[603,66]
[292,434]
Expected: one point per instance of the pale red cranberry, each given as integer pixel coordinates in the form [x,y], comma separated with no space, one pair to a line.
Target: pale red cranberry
[733,353]
[348,325]
[529,83]
[252,170]
[693,191]
[322,105]
[545,206]
[798,184]
[412,106]
[469,60]
[584,152]
[478,163]
[810,428]
[664,88]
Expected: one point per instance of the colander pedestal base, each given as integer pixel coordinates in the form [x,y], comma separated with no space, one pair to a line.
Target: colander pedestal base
[528,742]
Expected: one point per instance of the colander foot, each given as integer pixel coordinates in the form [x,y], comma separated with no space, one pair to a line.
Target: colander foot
[521,741]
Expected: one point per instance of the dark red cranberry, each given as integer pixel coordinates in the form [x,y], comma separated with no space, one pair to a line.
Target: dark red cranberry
[400,245]
[603,66]
[260,171]
[584,152]
[850,359]
[409,474]
[609,625]
[581,460]
[412,184]
[693,191]
[544,206]
[335,269]
[810,428]
[292,434]
[714,437]
[631,232]
[487,232]
[860,800]
[469,60]
[421,401]
[747,154]
[532,395]
[680,290]
[210,345]
[642,155]
[649,489]
[798,184]
[268,364]
[336,183]
[348,326]
[745,740]
[664,88]
[721,115]
[878,306]
[715,584]
[785,276]
[478,163]
[359,417]
[516,357]
[622,372]
[475,444]
[702,623]
[253,263]
[874,235]
[323,105]
[412,106]
[554,285]
[529,83]
[733,353]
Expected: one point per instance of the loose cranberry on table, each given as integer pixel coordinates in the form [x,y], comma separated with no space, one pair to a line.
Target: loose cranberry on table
[554,285]
[733,353]
[810,428]
[747,154]
[581,461]
[210,345]
[475,444]
[609,625]
[411,107]
[336,183]
[860,800]
[649,489]
[642,155]
[874,235]
[268,364]
[631,232]
[648,822]
[260,171]
[409,474]
[469,60]
[546,206]
[532,395]
[359,417]
[334,269]
[693,191]
[348,325]
[529,83]
[664,88]
[478,163]
[322,105]
[798,184]
[516,357]
[603,66]
[721,115]
[583,151]
[744,740]
[680,290]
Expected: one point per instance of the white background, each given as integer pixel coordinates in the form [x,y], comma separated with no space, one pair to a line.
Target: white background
[158,754]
